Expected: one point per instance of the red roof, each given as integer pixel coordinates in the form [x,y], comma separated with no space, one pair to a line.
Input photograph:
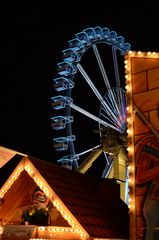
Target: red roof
[95,204]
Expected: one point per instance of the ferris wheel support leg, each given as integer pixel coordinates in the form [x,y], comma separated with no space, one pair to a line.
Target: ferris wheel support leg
[89,160]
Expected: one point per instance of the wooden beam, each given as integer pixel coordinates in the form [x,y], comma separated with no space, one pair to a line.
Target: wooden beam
[146,121]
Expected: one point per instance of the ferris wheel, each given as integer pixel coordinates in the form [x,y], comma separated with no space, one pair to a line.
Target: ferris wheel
[90,99]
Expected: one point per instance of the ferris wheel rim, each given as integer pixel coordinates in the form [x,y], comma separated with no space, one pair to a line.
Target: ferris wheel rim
[68,68]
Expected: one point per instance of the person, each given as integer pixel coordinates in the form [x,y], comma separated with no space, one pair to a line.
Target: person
[148,172]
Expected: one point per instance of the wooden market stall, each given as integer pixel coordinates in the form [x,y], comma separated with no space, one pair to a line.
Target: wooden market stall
[142,88]
[75,206]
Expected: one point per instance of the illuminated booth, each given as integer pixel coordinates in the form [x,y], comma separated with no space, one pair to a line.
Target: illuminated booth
[41,200]
[142,89]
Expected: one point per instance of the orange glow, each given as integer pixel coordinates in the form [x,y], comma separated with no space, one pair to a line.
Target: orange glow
[131,70]
[26,165]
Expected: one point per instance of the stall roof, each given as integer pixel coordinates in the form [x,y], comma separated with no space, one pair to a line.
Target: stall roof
[95,204]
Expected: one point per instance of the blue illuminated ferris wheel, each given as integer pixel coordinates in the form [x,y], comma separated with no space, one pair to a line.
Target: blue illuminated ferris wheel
[90,96]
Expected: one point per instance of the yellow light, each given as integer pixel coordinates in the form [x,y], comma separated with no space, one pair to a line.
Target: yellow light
[127,77]
[129,149]
[128,120]
[127,108]
[1,229]
[129,132]
[130,168]
[1,195]
[65,216]
[130,181]
[132,53]
[130,206]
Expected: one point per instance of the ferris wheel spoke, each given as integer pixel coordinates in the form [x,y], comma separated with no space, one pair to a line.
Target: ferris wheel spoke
[115,112]
[111,121]
[95,90]
[90,115]
[103,71]
[116,69]
[110,115]
[89,81]
[122,104]
[101,66]
[118,106]
[112,101]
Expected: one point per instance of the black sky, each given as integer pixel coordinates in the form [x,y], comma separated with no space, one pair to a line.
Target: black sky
[35,34]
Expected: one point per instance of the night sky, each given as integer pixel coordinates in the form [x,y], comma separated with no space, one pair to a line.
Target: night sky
[35,34]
